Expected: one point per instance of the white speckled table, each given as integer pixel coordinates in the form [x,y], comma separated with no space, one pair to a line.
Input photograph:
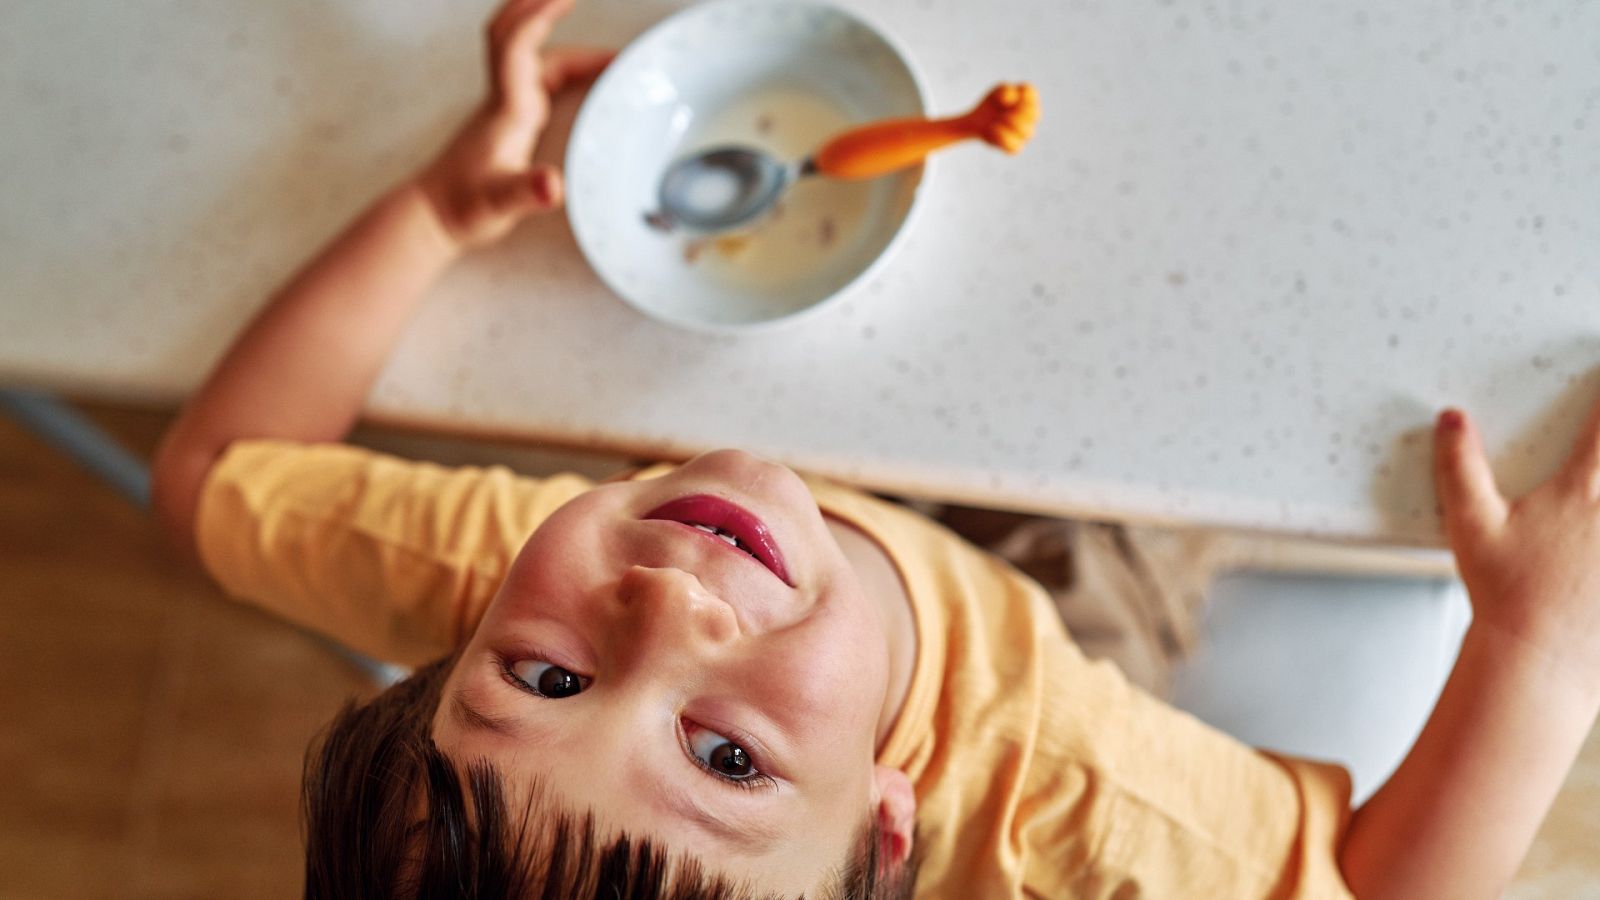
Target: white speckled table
[1253,248]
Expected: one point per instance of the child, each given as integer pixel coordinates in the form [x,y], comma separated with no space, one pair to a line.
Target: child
[719,679]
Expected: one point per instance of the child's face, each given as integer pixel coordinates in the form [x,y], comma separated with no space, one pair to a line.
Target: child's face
[683,645]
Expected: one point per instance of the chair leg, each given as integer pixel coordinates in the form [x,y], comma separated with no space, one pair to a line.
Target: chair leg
[78,438]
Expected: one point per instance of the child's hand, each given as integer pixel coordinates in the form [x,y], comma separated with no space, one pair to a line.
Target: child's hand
[484,181]
[1531,565]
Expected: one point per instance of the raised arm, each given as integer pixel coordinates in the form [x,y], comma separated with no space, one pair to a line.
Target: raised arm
[1457,817]
[302,369]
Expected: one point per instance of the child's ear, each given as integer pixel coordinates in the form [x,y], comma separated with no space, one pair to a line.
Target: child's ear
[896,811]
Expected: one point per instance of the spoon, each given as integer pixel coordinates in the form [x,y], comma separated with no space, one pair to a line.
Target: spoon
[725,187]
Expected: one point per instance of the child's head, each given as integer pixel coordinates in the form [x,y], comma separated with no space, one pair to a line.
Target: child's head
[721,700]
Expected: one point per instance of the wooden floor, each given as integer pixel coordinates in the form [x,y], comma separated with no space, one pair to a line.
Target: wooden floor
[153,730]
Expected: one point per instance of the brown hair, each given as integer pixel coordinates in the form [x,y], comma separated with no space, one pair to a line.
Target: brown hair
[386,816]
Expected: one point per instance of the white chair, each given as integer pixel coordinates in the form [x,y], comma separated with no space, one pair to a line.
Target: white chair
[1326,667]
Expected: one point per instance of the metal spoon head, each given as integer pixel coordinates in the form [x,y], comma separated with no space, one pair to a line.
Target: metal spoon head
[722,188]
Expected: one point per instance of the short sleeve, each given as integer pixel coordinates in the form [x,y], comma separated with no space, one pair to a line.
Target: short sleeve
[391,557]
[1169,806]
[1039,772]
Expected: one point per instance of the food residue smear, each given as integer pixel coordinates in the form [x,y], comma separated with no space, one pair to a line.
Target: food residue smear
[816,216]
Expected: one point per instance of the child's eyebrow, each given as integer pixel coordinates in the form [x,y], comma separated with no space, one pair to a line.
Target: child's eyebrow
[473,718]
[754,836]
[751,835]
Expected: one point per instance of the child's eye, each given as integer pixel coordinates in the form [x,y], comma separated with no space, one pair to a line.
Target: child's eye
[722,756]
[547,679]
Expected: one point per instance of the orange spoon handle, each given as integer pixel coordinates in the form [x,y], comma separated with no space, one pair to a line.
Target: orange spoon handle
[1004,118]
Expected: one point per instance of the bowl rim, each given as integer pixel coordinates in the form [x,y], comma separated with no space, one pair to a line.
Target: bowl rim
[638,45]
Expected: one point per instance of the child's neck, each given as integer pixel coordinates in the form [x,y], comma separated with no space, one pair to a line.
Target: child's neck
[881,579]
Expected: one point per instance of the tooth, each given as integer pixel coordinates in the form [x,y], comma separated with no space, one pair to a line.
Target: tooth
[729,538]
[706,528]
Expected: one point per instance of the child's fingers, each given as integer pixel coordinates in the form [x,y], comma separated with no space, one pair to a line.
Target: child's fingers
[1462,476]
[1585,460]
[519,20]
[573,65]
[515,36]
[500,23]
[498,34]
[525,193]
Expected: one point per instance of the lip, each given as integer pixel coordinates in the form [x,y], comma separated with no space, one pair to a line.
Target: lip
[704,509]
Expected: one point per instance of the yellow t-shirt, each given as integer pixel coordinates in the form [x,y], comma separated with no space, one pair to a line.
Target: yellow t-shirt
[1037,772]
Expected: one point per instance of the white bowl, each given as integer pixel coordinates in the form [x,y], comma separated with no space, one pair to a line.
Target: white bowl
[782,75]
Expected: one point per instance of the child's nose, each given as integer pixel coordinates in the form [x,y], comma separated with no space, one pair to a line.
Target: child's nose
[673,603]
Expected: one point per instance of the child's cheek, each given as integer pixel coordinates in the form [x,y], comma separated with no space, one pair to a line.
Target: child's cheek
[833,685]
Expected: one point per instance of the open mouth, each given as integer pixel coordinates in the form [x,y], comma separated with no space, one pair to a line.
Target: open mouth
[734,526]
